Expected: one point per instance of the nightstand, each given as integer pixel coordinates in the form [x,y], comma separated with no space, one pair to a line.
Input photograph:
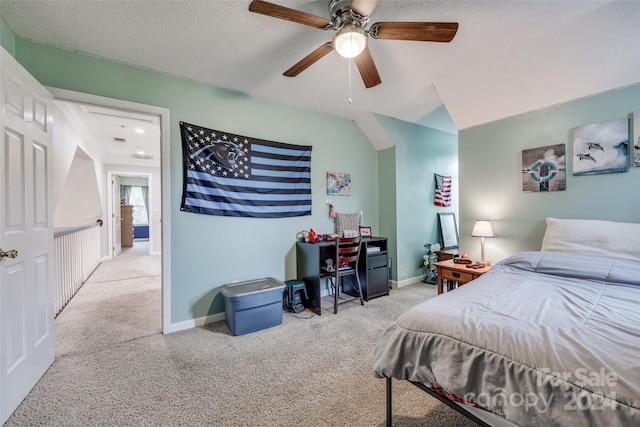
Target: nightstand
[457,273]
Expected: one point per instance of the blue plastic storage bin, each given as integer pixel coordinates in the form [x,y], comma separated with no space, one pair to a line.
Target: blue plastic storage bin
[253,305]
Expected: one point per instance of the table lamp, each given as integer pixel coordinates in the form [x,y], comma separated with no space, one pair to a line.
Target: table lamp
[482,228]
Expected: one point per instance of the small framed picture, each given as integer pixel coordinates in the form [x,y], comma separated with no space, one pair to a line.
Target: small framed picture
[365,231]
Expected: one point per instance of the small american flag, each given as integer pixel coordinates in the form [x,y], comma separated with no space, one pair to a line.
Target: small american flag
[443,191]
[234,175]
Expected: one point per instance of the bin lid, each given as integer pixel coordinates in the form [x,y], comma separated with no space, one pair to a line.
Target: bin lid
[251,287]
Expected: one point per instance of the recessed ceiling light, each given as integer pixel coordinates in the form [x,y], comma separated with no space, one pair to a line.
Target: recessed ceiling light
[139,130]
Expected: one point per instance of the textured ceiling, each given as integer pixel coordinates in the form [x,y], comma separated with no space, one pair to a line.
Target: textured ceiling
[508,57]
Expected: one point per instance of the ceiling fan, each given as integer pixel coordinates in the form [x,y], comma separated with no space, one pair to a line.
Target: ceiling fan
[349,18]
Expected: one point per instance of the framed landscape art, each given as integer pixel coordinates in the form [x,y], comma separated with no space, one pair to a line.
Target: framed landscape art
[601,148]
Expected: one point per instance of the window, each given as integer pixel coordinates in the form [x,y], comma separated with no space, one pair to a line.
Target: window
[136,199]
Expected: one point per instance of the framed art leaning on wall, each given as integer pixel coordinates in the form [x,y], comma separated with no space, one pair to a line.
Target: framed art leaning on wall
[635,139]
[448,230]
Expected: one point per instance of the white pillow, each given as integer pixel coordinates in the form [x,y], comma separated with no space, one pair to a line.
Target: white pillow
[617,239]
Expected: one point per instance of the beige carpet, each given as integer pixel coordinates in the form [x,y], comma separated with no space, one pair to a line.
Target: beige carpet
[113,367]
[139,248]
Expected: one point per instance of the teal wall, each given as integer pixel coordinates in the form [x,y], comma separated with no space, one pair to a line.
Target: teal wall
[394,188]
[7,39]
[491,183]
[387,200]
[419,153]
[210,251]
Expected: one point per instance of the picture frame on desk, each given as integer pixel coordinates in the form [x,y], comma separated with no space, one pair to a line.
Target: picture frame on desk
[365,231]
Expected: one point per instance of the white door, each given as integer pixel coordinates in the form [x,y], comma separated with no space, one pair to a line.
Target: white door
[116,223]
[26,280]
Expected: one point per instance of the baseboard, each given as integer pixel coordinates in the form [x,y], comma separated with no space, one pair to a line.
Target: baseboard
[218,317]
[194,323]
[406,282]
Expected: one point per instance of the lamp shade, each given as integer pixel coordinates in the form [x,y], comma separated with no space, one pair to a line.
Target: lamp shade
[482,228]
[350,41]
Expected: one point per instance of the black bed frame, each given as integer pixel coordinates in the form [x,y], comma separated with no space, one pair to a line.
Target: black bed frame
[443,399]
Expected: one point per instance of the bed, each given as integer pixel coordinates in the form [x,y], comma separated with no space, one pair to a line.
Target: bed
[550,337]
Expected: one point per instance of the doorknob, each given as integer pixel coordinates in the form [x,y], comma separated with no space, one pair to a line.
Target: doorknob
[8,254]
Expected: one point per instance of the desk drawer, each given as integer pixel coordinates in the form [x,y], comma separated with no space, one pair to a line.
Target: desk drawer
[375,261]
[457,276]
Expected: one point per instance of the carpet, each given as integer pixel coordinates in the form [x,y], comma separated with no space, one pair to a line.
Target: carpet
[113,367]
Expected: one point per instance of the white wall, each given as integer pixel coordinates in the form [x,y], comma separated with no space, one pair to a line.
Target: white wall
[67,141]
[134,180]
[79,199]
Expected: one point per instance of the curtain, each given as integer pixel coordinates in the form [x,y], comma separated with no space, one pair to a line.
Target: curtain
[145,196]
[125,194]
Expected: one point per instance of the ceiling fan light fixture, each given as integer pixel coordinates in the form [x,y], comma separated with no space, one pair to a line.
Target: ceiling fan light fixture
[350,41]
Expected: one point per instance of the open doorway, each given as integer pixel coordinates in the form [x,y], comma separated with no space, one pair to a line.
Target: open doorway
[132,173]
[134,197]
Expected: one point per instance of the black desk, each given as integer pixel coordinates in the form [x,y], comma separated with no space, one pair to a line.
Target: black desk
[373,268]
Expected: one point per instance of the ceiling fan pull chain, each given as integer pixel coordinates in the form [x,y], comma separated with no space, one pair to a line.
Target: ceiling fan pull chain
[350,101]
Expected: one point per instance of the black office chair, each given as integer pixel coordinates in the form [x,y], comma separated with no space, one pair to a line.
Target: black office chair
[347,253]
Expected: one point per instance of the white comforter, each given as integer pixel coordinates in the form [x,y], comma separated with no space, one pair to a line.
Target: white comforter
[541,339]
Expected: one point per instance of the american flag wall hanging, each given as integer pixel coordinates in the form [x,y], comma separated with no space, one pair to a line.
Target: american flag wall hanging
[442,195]
[234,175]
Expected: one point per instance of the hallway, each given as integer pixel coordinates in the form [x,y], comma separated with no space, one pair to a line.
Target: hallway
[139,248]
[121,301]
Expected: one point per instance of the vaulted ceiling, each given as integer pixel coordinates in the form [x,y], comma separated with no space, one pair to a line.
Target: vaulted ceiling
[508,57]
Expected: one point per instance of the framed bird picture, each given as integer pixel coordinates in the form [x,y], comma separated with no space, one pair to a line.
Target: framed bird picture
[601,148]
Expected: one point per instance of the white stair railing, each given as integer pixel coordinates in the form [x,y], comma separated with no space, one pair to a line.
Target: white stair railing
[77,256]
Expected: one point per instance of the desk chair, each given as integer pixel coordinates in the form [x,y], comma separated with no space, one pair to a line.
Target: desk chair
[347,255]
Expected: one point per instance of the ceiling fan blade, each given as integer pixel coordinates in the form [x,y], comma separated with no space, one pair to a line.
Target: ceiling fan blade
[364,7]
[281,12]
[309,60]
[417,31]
[368,69]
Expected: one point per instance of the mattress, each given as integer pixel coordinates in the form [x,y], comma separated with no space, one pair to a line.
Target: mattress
[541,339]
